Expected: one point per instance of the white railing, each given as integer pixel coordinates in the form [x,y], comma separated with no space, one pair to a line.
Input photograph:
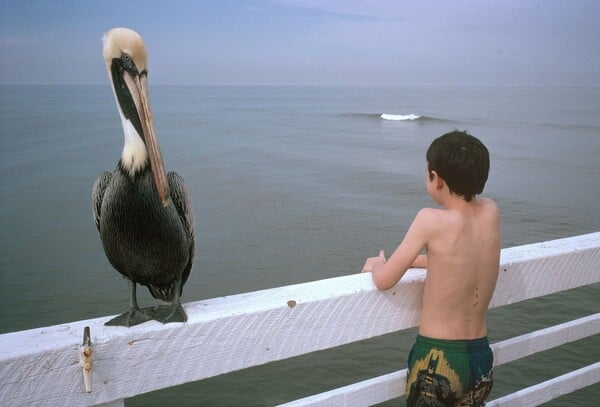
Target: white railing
[44,366]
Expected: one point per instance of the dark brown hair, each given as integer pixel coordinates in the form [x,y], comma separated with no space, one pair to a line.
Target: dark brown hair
[462,161]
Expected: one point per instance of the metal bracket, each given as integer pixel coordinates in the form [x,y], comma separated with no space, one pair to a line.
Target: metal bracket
[85,358]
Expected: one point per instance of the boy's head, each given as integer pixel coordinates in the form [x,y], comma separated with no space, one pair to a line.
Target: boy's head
[462,161]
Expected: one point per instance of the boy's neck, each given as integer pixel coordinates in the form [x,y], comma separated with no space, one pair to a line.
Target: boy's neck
[457,202]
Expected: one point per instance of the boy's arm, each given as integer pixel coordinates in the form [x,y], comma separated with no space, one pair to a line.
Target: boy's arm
[420,262]
[386,274]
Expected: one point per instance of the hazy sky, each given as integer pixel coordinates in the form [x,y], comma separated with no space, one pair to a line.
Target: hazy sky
[325,42]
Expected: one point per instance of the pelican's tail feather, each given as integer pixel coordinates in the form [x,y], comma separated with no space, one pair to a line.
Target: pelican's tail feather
[164,293]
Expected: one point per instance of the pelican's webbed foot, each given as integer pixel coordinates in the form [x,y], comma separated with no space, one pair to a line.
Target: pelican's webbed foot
[173,312]
[170,313]
[130,318]
[134,314]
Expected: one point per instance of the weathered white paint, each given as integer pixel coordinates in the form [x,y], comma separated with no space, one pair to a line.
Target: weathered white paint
[392,385]
[544,339]
[543,392]
[41,366]
[364,393]
[532,270]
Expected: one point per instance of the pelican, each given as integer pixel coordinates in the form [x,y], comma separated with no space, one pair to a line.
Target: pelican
[144,215]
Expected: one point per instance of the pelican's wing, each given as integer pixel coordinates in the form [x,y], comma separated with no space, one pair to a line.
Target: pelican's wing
[183,205]
[98,193]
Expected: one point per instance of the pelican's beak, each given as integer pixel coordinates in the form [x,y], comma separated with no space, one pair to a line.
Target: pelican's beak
[138,88]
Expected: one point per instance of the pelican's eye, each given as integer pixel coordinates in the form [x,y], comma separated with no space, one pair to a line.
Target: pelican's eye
[128,63]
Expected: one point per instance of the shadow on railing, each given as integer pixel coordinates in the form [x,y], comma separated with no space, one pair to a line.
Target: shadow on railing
[54,366]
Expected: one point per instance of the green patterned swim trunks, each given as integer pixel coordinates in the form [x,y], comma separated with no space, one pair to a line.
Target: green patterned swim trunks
[449,372]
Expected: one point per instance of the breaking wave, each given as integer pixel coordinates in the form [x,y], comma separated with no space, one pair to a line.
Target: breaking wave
[410,117]
[399,117]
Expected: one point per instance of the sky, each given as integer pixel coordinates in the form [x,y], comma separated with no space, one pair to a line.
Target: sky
[310,42]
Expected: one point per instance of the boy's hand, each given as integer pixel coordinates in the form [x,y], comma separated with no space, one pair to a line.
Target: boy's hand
[372,261]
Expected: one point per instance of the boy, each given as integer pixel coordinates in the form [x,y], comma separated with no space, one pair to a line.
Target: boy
[450,363]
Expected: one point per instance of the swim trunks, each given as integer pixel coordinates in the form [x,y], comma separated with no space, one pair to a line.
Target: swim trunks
[449,372]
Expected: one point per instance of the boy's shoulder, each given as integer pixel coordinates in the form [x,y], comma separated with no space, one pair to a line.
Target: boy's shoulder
[428,212]
[488,202]
[430,218]
[436,217]
[490,207]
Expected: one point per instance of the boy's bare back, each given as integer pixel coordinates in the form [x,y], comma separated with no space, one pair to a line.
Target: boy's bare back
[462,267]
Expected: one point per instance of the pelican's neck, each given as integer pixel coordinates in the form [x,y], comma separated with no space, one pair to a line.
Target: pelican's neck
[134,156]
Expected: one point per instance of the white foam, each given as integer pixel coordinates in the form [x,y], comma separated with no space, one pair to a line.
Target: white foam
[399,117]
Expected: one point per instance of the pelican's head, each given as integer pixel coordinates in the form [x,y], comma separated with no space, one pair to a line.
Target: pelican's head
[127,65]
[127,45]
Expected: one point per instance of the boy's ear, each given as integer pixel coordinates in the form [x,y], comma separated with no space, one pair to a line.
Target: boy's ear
[438,182]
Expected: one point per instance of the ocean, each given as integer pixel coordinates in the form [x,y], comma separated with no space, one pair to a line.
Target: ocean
[293,184]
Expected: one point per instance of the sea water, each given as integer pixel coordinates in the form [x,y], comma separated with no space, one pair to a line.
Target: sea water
[293,184]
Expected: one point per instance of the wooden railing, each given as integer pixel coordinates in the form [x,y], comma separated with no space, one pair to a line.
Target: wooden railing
[47,366]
